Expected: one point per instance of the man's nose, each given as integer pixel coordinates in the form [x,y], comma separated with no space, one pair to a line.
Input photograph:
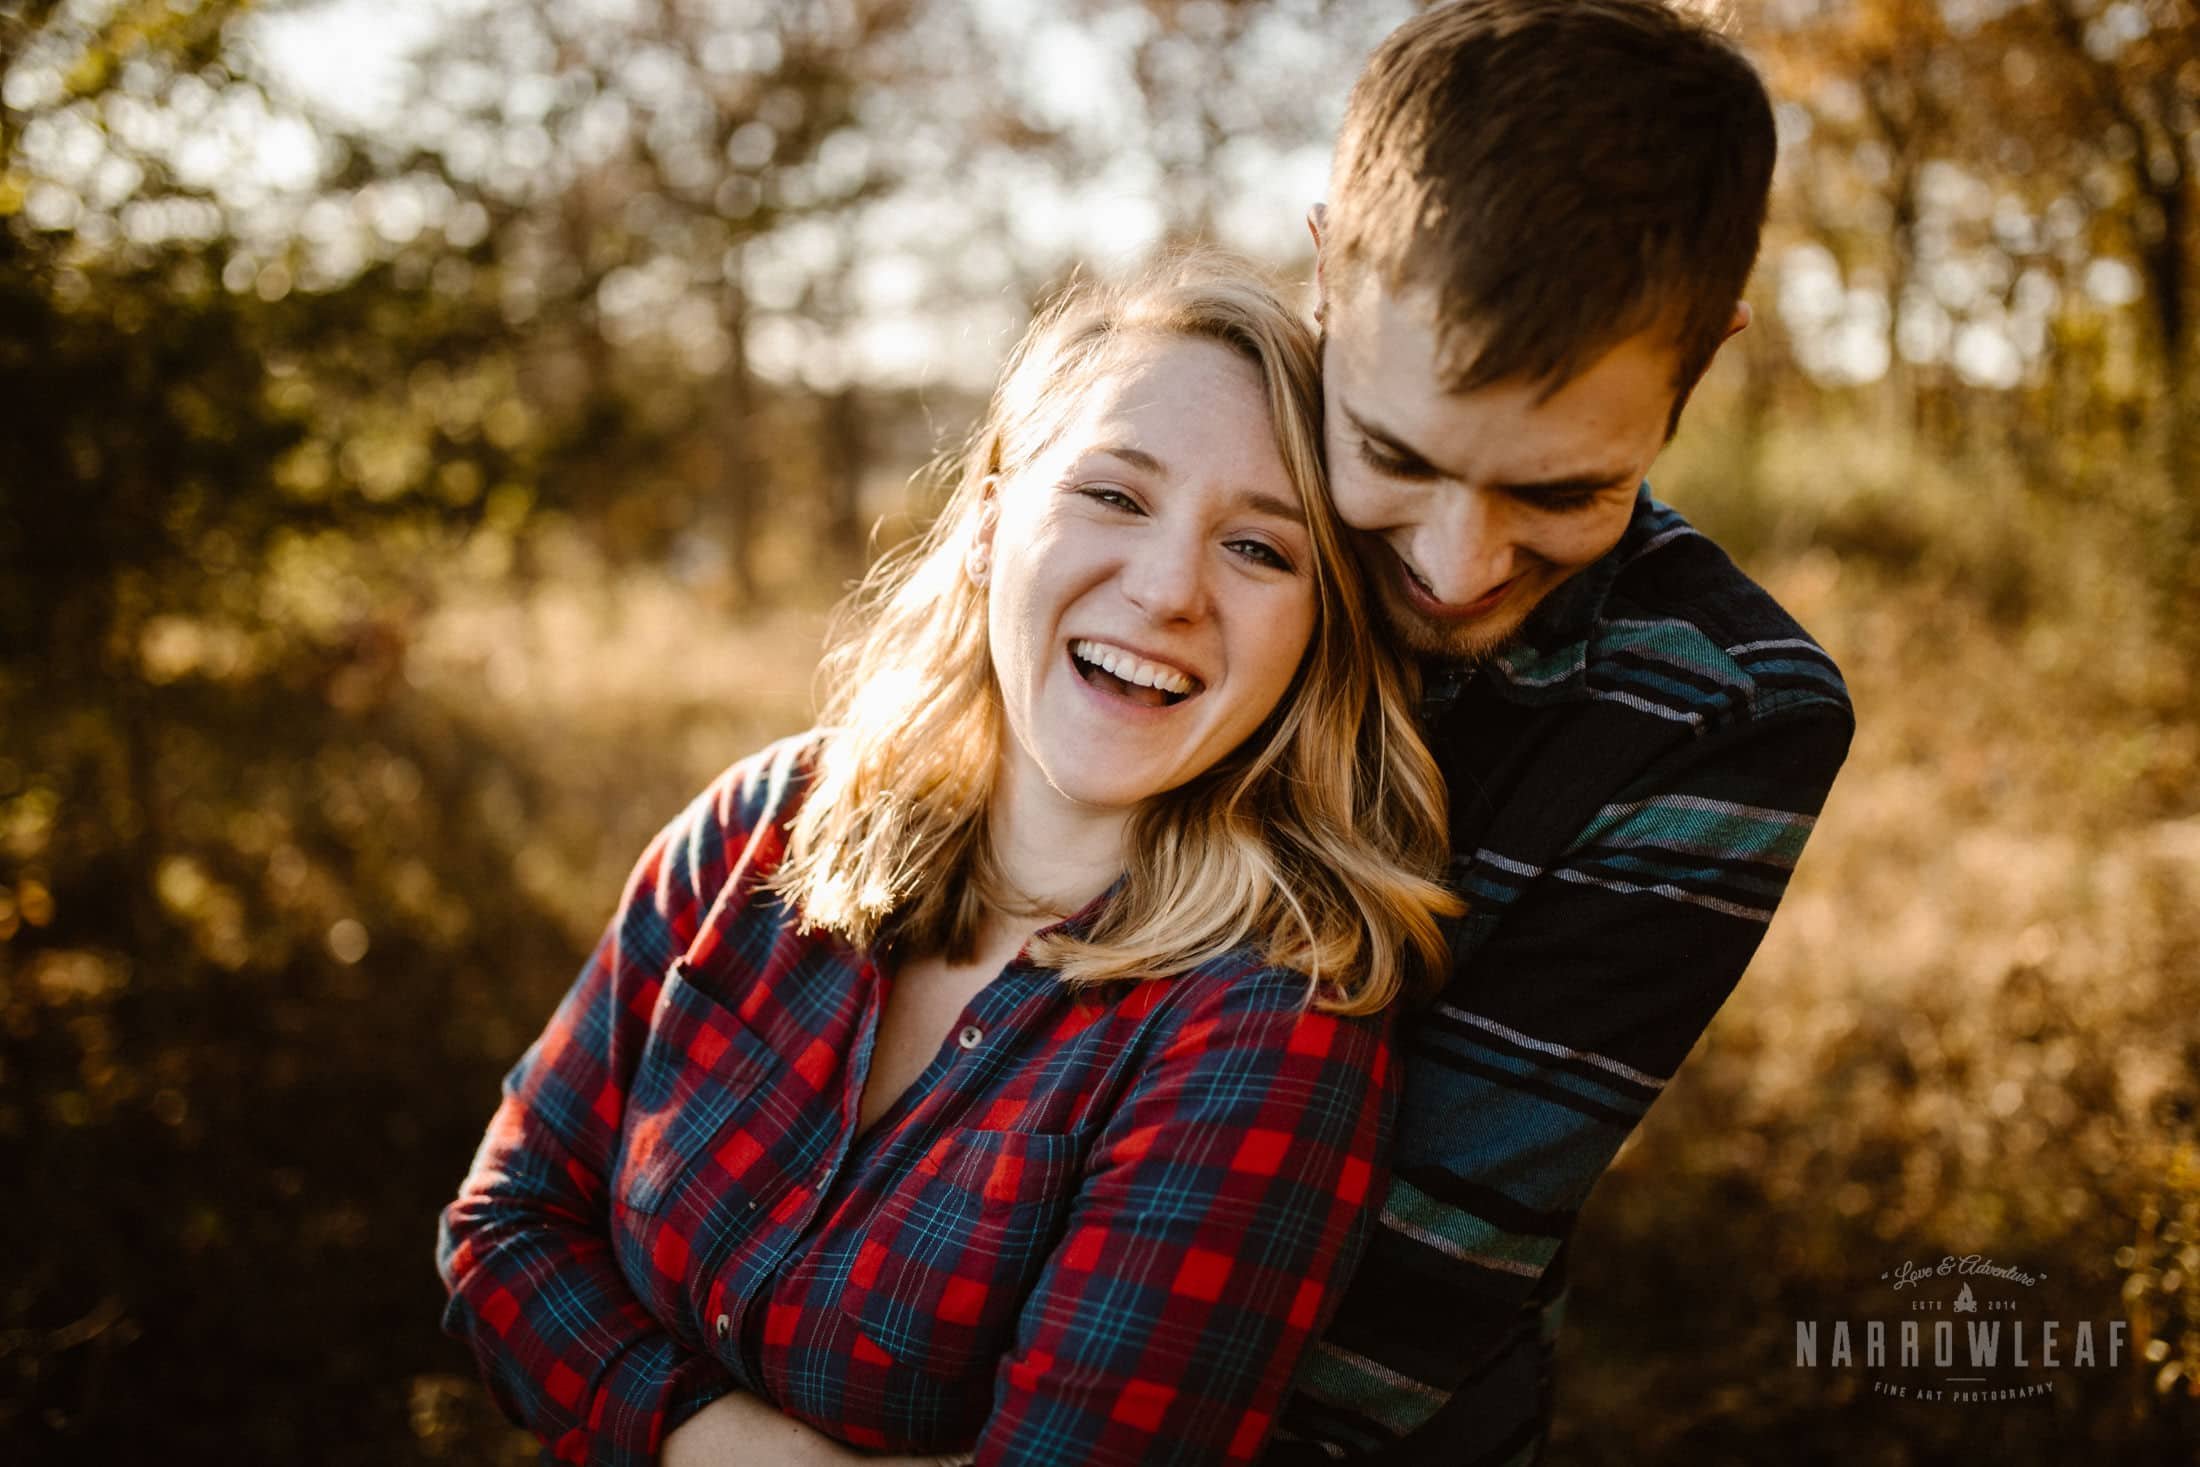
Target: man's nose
[1165,573]
[1465,551]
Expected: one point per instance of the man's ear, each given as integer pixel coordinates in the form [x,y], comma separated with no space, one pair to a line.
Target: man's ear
[1735,325]
[1738,322]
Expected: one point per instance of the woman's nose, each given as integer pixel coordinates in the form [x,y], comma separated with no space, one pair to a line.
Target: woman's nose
[1164,574]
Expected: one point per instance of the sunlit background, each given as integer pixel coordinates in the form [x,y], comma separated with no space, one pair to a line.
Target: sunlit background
[432,432]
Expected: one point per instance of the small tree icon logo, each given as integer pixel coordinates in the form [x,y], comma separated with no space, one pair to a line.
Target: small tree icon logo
[1965,1304]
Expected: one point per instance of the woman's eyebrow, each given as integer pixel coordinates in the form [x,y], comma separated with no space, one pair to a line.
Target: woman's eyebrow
[1137,458]
[1270,504]
[1257,500]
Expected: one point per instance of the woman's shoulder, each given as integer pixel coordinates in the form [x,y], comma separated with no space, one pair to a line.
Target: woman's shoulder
[739,820]
[758,793]
[764,789]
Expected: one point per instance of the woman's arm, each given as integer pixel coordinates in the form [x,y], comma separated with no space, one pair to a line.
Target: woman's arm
[1225,1203]
[526,1249]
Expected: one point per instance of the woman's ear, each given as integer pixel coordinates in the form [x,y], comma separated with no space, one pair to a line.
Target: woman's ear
[978,559]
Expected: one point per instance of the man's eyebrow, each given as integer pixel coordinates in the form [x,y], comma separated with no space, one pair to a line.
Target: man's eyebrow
[1258,501]
[1572,484]
[1535,489]
[1384,437]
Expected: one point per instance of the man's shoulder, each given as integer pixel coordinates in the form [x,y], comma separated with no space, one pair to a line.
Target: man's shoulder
[1685,635]
[1665,670]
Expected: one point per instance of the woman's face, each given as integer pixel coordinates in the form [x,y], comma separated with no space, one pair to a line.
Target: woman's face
[1152,579]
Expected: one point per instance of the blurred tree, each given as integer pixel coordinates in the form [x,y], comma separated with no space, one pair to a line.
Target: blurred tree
[2138,67]
[220,494]
[2004,182]
[694,188]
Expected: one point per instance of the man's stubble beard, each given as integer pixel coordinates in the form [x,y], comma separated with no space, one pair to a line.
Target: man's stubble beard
[1419,636]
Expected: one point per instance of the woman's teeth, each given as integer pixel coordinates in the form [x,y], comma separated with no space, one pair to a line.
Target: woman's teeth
[1132,669]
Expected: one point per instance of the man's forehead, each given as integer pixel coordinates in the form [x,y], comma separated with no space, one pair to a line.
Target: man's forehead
[1403,329]
[1390,380]
[1367,305]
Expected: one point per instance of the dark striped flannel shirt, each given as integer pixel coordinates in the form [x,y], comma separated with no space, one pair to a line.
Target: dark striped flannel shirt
[1097,1229]
[1631,783]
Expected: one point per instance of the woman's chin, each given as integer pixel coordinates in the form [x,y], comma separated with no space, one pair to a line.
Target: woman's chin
[1102,774]
[1122,791]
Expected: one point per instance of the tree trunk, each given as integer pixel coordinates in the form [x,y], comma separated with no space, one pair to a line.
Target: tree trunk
[742,467]
[842,452]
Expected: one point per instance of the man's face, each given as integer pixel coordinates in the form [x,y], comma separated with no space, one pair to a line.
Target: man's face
[1474,506]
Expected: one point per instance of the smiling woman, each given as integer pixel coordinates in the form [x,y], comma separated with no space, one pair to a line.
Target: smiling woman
[1307,831]
[1003,1068]
[1152,601]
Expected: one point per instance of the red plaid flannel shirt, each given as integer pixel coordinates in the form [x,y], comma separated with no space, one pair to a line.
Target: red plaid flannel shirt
[1093,1230]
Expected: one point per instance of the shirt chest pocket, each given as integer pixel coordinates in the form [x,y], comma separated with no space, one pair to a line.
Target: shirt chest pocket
[946,1261]
[699,1068]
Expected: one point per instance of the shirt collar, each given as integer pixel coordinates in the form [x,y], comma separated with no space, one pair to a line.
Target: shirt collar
[1547,660]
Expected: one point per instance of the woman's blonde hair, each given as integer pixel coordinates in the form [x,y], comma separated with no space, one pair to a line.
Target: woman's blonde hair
[1318,840]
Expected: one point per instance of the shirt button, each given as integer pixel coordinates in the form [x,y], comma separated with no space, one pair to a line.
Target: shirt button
[724,1326]
[970,1036]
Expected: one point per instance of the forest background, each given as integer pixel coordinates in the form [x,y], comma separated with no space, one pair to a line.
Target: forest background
[431,436]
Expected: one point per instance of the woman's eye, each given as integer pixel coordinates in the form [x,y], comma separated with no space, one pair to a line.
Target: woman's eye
[1108,494]
[1262,553]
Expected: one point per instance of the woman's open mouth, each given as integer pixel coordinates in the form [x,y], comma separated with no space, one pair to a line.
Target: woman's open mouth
[1128,676]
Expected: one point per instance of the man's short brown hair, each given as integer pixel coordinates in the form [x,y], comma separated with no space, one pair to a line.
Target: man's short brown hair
[1562,174]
